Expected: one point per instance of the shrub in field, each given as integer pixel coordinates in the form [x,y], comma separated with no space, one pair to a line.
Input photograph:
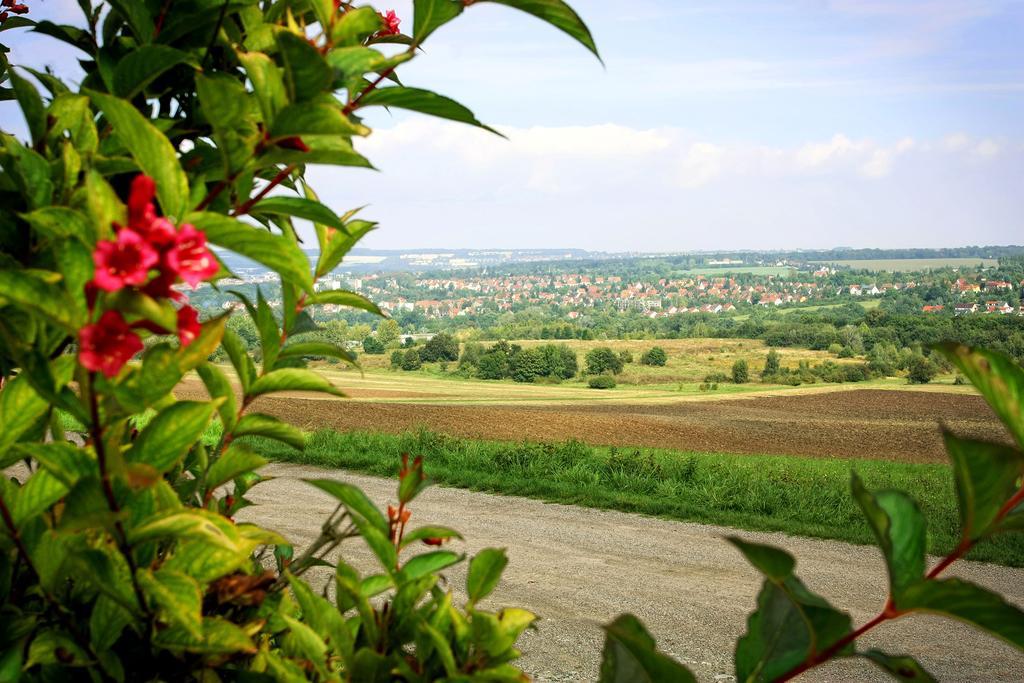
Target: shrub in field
[601,382]
[397,356]
[411,359]
[193,126]
[440,347]
[654,356]
[740,372]
[602,359]
[373,346]
[921,370]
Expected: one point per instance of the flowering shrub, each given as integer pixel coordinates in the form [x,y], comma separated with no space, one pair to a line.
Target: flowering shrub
[119,553]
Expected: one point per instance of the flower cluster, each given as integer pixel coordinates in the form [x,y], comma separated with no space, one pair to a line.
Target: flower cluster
[150,255]
[391,23]
[11,7]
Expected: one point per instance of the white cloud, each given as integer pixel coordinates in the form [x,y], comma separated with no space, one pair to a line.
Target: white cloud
[617,188]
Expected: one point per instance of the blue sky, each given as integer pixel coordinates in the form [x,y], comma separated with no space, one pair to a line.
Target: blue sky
[712,125]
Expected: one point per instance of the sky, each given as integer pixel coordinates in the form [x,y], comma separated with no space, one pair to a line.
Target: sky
[726,124]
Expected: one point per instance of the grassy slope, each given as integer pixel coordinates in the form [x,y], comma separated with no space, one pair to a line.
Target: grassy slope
[800,496]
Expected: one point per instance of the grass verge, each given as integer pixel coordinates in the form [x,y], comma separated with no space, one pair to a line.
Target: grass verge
[800,496]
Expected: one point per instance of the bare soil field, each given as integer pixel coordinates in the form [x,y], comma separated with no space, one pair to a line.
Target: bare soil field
[860,423]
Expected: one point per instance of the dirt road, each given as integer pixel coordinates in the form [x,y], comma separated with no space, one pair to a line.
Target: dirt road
[578,568]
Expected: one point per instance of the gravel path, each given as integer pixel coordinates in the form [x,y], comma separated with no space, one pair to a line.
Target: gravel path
[577,568]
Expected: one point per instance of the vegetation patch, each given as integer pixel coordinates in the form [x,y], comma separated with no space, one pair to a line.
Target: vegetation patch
[801,496]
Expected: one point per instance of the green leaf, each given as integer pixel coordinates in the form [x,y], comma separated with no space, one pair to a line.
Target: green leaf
[20,408]
[355,26]
[429,15]
[106,622]
[142,66]
[901,531]
[559,15]
[40,492]
[986,477]
[630,654]
[309,118]
[63,460]
[59,222]
[428,563]
[998,378]
[485,571]
[267,81]
[38,292]
[441,647]
[354,500]
[301,349]
[236,350]
[970,603]
[30,172]
[307,643]
[341,297]
[237,460]
[219,387]
[323,617]
[336,246]
[306,74]
[169,436]
[292,379]
[790,623]
[190,524]
[150,149]
[176,597]
[274,251]
[219,637]
[137,15]
[424,532]
[259,424]
[31,105]
[424,102]
[300,208]
[900,667]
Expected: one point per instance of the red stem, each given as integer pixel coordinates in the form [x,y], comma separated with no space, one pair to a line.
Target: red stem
[889,611]
[277,180]
[351,106]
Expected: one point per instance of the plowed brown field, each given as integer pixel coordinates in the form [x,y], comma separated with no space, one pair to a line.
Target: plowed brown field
[888,425]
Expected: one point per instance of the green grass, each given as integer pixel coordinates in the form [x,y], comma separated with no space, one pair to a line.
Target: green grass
[800,496]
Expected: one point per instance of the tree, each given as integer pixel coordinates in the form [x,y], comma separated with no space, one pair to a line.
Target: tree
[527,365]
[388,332]
[654,356]
[397,356]
[740,372]
[411,359]
[772,366]
[373,346]
[602,360]
[921,370]
[442,346]
[561,361]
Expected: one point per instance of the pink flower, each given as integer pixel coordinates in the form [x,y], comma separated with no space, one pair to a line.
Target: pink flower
[107,345]
[124,261]
[391,22]
[188,324]
[189,258]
